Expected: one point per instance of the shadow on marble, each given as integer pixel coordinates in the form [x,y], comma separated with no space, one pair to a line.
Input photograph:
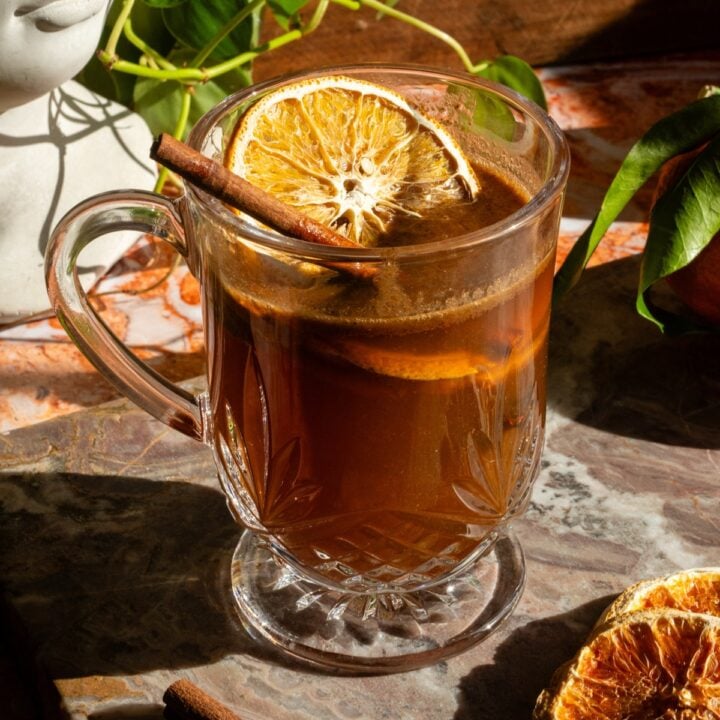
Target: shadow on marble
[666,393]
[118,575]
[524,663]
[134,711]
[614,371]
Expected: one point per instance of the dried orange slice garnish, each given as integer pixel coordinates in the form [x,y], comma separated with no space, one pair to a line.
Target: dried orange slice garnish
[654,654]
[350,154]
[695,590]
[648,666]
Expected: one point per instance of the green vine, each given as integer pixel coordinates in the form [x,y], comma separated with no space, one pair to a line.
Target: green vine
[180,57]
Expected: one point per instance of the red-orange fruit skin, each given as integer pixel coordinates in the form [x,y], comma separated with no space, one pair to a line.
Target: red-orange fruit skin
[698,283]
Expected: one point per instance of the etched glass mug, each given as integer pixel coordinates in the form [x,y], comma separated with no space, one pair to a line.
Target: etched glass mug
[374,439]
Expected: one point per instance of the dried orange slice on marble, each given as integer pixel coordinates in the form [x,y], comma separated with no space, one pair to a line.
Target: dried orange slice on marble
[695,590]
[655,665]
[654,655]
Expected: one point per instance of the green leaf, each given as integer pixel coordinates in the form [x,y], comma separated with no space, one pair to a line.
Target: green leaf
[148,23]
[160,102]
[195,23]
[516,74]
[485,112]
[494,115]
[675,134]
[683,221]
[286,11]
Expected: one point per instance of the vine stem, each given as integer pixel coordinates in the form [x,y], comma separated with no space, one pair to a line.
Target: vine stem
[441,35]
[197,74]
[144,48]
[114,37]
[194,73]
[178,132]
[250,55]
[316,17]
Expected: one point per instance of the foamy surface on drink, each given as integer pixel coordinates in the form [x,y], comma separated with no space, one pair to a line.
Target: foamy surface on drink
[444,342]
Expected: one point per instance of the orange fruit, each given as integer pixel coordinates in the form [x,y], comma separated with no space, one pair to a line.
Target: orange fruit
[350,154]
[698,283]
[654,654]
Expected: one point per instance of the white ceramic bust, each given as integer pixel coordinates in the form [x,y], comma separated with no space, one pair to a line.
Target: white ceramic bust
[59,143]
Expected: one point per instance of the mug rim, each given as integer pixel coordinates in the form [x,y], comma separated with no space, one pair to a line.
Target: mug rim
[551,188]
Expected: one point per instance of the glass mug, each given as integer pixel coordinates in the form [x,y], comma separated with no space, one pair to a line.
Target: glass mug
[373,439]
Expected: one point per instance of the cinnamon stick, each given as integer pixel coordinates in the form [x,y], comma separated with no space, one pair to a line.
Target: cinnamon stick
[186,701]
[237,192]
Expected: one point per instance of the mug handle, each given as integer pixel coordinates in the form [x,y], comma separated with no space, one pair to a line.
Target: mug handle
[109,212]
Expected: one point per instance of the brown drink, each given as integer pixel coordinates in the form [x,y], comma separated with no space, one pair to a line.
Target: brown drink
[381,438]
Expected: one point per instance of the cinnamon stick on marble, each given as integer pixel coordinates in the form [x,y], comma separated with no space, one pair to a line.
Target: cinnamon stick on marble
[237,192]
[186,701]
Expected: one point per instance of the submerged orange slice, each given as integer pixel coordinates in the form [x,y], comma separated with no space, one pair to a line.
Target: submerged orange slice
[350,154]
[654,655]
[492,364]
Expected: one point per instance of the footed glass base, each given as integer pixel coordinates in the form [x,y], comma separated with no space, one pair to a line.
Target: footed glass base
[376,632]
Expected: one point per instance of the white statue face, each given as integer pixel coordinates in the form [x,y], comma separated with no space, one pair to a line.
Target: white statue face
[44,43]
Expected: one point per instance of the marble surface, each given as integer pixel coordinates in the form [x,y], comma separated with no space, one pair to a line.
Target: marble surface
[116,540]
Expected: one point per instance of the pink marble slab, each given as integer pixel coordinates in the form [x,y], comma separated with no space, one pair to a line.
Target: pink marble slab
[45,375]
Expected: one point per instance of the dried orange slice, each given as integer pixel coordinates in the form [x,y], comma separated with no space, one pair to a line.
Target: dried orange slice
[655,653]
[350,154]
[659,665]
[695,590]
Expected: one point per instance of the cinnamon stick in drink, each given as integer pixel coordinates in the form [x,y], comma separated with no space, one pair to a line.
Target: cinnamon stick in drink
[237,192]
